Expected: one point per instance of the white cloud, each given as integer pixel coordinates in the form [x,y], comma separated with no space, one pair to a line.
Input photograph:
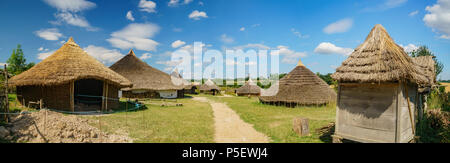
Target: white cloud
[329,48]
[298,34]
[409,48]
[438,18]
[242,29]
[254,46]
[44,55]
[106,56]
[394,3]
[177,29]
[147,6]
[3,64]
[187,1]
[42,49]
[197,15]
[71,5]
[414,13]
[226,39]
[290,56]
[130,16]
[178,43]
[339,27]
[174,3]
[146,56]
[51,34]
[135,36]
[169,63]
[69,12]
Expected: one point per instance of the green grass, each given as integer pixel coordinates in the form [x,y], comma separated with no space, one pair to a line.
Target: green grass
[191,123]
[277,122]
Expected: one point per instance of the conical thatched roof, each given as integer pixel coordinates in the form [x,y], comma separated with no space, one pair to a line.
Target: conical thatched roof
[69,63]
[249,88]
[179,80]
[303,87]
[426,64]
[379,59]
[143,76]
[208,86]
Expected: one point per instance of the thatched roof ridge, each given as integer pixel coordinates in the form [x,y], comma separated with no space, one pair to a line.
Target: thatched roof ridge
[379,59]
[249,88]
[143,76]
[427,65]
[208,86]
[301,86]
[69,63]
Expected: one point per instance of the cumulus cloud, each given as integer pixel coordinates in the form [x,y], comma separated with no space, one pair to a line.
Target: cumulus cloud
[174,3]
[197,15]
[394,3]
[438,18]
[44,55]
[69,12]
[106,56]
[242,29]
[146,56]
[409,48]
[290,56]
[130,16]
[135,36]
[147,6]
[339,27]
[51,34]
[414,13]
[226,39]
[329,48]
[178,43]
[42,49]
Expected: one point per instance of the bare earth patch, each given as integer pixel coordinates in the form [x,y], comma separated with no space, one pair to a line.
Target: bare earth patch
[52,127]
[230,128]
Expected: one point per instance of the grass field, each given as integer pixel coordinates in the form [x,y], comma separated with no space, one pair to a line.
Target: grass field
[191,123]
[276,122]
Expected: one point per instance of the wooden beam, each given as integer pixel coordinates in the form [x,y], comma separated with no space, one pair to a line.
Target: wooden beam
[106,97]
[72,94]
[103,95]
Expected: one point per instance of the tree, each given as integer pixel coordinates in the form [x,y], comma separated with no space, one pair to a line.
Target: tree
[17,62]
[424,51]
[327,78]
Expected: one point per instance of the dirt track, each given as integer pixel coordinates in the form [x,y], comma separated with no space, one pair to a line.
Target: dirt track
[230,128]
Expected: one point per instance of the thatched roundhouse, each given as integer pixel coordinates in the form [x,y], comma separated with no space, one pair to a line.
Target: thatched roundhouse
[209,88]
[300,87]
[378,92]
[148,82]
[188,87]
[70,80]
[249,89]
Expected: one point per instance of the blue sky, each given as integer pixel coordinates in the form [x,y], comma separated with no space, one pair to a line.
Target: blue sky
[320,32]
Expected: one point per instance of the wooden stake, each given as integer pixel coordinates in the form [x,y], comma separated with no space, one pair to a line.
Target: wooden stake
[409,109]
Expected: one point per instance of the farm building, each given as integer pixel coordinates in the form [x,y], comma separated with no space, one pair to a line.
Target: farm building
[300,87]
[70,80]
[378,92]
[209,88]
[249,89]
[188,87]
[148,82]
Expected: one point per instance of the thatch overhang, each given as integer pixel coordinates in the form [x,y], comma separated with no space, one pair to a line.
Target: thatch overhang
[379,59]
[301,87]
[427,65]
[249,88]
[143,76]
[178,79]
[67,64]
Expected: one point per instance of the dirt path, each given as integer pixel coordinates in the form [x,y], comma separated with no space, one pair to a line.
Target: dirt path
[230,128]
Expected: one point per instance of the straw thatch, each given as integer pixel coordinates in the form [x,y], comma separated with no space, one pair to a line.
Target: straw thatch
[143,76]
[426,64]
[209,86]
[69,63]
[379,59]
[250,88]
[301,87]
[177,78]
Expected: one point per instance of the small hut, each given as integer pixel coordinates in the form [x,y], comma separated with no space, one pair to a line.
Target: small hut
[249,89]
[188,87]
[209,88]
[70,80]
[377,92]
[148,82]
[300,87]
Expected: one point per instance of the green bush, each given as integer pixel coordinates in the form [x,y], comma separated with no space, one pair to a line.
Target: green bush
[434,127]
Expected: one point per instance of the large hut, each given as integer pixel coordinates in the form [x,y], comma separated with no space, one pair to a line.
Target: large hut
[249,89]
[209,88]
[70,80]
[378,92]
[298,88]
[188,87]
[148,82]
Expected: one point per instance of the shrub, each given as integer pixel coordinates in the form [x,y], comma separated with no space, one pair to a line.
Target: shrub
[434,127]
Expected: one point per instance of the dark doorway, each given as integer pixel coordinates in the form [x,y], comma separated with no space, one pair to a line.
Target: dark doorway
[88,95]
